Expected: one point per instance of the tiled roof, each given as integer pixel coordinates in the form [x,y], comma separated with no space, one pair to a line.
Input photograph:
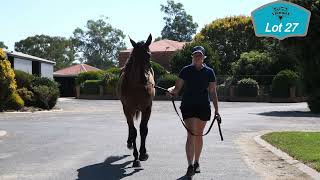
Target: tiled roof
[74,70]
[163,45]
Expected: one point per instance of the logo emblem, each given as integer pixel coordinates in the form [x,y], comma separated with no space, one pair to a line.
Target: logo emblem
[280,12]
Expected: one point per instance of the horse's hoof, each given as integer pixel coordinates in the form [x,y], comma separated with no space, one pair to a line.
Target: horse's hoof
[136,163]
[143,156]
[130,146]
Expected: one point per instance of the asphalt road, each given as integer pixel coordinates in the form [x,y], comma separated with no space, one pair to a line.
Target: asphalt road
[86,140]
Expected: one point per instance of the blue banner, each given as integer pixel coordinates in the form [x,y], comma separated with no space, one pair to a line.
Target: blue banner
[281,19]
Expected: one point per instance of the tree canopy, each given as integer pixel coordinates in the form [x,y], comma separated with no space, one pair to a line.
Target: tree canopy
[58,49]
[99,44]
[230,36]
[2,45]
[179,25]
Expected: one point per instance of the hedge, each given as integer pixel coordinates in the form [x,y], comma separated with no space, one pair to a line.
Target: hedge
[91,87]
[222,90]
[158,70]
[112,85]
[247,88]
[282,82]
[166,81]
[90,75]
[114,70]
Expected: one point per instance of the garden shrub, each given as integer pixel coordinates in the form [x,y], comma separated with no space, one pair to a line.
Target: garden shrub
[230,81]
[283,81]
[222,90]
[23,79]
[91,87]
[46,97]
[114,70]
[247,88]
[166,81]
[15,102]
[90,75]
[46,92]
[158,70]
[314,101]
[111,86]
[254,65]
[27,96]
[7,82]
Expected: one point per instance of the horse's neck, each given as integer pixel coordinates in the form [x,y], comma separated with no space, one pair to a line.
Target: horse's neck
[136,75]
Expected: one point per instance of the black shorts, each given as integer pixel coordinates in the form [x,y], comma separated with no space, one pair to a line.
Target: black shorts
[201,112]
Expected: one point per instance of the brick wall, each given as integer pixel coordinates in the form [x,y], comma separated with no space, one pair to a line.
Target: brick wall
[123,56]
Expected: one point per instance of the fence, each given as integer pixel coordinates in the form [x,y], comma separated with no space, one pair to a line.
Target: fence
[227,89]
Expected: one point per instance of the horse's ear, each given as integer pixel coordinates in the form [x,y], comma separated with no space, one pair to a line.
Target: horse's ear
[149,40]
[134,44]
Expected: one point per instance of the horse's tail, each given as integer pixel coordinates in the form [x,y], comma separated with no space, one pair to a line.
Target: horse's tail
[137,114]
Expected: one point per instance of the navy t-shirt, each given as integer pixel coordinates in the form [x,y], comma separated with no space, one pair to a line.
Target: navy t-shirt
[196,83]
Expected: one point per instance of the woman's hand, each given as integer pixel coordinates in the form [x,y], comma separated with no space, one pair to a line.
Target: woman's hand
[171,93]
[174,90]
[217,115]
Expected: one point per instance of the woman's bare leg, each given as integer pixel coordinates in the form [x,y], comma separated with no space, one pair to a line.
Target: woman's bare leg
[198,140]
[190,149]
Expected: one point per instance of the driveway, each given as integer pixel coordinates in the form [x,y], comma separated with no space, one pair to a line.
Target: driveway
[86,140]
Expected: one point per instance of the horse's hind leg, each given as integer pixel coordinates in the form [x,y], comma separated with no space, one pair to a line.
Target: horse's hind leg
[131,142]
[143,133]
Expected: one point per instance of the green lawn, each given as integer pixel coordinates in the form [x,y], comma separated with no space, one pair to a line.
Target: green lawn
[303,146]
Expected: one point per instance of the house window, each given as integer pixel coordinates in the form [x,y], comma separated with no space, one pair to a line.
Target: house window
[36,68]
[11,59]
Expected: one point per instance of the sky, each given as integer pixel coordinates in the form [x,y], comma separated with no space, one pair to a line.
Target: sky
[136,18]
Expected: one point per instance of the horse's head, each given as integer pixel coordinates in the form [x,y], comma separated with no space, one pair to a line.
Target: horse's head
[138,66]
[141,52]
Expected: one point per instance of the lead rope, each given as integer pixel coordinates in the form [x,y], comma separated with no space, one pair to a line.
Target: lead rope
[216,117]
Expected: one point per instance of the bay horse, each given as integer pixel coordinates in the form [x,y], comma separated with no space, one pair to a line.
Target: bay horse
[136,92]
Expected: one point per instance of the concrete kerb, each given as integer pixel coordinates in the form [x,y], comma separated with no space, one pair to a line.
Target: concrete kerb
[304,168]
[29,112]
[2,133]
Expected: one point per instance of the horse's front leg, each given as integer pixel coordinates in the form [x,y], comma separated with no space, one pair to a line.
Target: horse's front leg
[136,162]
[131,142]
[143,133]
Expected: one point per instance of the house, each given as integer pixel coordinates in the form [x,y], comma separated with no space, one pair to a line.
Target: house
[66,78]
[161,52]
[30,64]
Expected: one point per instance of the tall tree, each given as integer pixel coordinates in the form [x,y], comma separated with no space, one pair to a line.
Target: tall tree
[58,49]
[179,25]
[306,50]
[230,36]
[99,44]
[2,45]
